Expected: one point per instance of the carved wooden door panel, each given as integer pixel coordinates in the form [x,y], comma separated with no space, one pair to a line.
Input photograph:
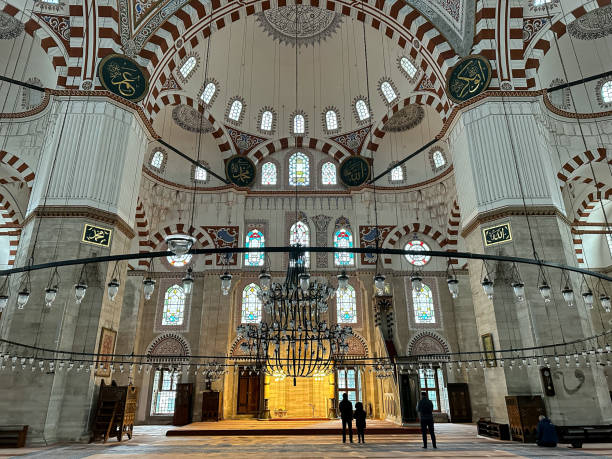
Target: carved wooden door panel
[459,402]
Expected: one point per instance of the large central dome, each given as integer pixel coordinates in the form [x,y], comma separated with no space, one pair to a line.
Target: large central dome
[311,26]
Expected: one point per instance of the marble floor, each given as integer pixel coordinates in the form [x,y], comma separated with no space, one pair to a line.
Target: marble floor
[454,440]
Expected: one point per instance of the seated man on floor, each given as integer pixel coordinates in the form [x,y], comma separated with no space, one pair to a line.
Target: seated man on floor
[547,434]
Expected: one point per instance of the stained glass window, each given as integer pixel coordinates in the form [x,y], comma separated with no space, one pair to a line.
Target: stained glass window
[200,174]
[328,174]
[188,66]
[540,2]
[362,110]
[417,260]
[300,234]
[251,304]
[179,260]
[422,302]
[174,306]
[299,170]
[299,124]
[331,120]
[209,92]
[157,160]
[346,305]
[254,239]
[388,91]
[266,121]
[268,174]
[408,67]
[606,92]
[235,110]
[438,159]
[343,239]
[397,174]
[164,392]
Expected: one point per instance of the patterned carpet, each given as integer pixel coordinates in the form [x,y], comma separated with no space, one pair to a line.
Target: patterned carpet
[454,440]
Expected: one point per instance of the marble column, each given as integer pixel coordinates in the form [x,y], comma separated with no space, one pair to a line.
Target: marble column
[89,173]
[505,174]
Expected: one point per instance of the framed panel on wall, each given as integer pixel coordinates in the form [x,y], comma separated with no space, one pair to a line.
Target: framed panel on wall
[489,350]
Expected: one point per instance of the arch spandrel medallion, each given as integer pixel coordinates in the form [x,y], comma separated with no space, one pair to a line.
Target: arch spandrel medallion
[468,78]
[240,170]
[123,77]
[354,171]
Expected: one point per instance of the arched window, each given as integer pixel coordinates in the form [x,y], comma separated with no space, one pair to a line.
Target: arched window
[199,174]
[174,306]
[417,260]
[268,174]
[235,110]
[343,239]
[299,125]
[397,174]
[422,302]
[188,66]
[254,239]
[438,159]
[408,67]
[346,305]
[157,160]
[362,110]
[328,174]
[266,121]
[331,120]
[251,304]
[208,93]
[299,170]
[178,261]
[606,92]
[300,234]
[388,91]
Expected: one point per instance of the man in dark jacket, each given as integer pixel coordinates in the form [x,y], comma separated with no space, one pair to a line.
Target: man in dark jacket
[346,413]
[547,434]
[425,409]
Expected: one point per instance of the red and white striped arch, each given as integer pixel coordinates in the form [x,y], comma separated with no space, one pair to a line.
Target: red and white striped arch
[151,243]
[588,205]
[399,21]
[410,228]
[324,145]
[36,28]
[22,170]
[545,39]
[565,174]
[421,99]
[169,98]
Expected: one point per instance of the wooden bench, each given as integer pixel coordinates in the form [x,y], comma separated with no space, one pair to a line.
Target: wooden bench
[577,435]
[13,436]
[493,429]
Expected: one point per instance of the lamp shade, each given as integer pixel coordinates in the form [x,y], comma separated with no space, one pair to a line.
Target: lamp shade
[148,287]
[50,295]
[112,289]
[179,244]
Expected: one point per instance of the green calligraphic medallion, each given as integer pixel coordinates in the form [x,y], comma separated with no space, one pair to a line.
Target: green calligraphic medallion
[354,171]
[96,235]
[470,77]
[240,170]
[497,234]
[124,77]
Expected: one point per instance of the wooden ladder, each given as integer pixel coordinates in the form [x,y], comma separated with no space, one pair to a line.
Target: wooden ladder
[105,419]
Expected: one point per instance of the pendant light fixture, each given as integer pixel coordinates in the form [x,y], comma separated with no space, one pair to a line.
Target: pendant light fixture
[451,280]
[342,280]
[80,287]
[52,288]
[179,244]
[487,283]
[148,287]
[188,281]
[112,287]
[379,282]
[4,293]
[543,286]
[518,286]
[567,291]
[264,280]
[24,291]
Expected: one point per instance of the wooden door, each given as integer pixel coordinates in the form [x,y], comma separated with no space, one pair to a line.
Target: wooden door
[459,402]
[248,392]
[183,404]
[211,406]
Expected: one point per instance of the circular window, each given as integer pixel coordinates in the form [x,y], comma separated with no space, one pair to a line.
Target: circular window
[178,261]
[417,260]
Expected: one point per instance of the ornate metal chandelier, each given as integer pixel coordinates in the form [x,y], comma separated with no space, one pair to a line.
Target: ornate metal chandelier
[296,341]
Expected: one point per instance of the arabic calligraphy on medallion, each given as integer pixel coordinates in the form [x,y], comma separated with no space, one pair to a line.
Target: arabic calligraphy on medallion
[497,234]
[468,78]
[354,171]
[96,235]
[123,76]
[240,170]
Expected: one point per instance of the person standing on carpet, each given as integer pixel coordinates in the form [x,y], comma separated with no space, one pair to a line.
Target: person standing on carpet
[360,422]
[425,409]
[346,414]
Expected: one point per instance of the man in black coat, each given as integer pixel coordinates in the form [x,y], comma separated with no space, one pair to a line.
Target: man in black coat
[425,409]
[346,414]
